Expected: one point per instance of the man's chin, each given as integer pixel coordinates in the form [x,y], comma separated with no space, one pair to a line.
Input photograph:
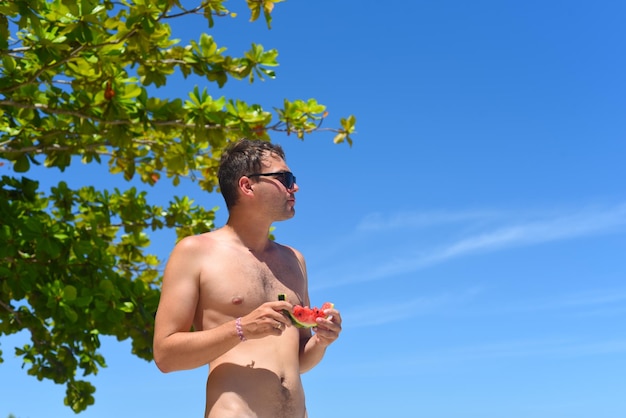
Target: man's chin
[288,216]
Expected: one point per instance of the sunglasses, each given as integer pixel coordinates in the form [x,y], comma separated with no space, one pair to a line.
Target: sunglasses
[285,177]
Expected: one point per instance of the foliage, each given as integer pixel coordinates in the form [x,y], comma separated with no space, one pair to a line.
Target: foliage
[77,83]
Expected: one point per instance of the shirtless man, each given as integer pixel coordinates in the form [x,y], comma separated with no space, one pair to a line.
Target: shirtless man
[219,301]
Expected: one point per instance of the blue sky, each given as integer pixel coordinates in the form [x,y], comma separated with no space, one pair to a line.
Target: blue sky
[474,235]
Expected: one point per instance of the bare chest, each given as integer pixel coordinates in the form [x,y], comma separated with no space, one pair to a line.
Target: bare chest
[241,282]
[261,282]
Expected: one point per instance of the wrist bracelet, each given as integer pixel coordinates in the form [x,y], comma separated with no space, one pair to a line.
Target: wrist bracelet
[239,329]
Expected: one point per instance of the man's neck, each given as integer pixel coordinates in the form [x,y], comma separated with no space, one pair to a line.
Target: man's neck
[252,235]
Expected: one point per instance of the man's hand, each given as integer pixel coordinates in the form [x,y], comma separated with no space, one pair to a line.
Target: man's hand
[328,328]
[265,320]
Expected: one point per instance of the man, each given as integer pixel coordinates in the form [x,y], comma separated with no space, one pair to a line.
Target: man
[225,285]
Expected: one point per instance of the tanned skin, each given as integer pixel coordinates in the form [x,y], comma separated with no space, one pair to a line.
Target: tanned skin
[237,272]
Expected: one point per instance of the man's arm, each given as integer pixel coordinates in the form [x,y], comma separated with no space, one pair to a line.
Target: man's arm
[175,346]
[313,347]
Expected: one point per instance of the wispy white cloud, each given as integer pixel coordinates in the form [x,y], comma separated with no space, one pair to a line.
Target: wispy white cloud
[461,356]
[413,220]
[565,226]
[381,314]
[493,236]
[594,302]
[557,347]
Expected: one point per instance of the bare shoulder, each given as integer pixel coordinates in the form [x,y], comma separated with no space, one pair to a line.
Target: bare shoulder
[287,248]
[197,247]
[291,251]
[196,242]
[189,255]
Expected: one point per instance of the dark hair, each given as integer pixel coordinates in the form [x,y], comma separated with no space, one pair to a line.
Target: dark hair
[242,158]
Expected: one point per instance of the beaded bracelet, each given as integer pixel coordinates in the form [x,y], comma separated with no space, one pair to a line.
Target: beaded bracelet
[239,329]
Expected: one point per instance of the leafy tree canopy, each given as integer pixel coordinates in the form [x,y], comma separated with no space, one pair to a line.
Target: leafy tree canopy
[78,82]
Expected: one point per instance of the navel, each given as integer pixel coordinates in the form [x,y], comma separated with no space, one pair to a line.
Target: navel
[237,300]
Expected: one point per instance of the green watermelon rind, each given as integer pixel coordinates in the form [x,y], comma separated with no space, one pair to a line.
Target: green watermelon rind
[299,324]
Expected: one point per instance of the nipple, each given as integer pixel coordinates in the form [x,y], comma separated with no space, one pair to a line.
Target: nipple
[237,300]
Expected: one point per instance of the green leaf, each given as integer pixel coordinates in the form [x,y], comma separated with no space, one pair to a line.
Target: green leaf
[127,307]
[70,313]
[69,293]
[22,164]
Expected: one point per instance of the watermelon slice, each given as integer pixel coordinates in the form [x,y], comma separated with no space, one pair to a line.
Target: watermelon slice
[305,317]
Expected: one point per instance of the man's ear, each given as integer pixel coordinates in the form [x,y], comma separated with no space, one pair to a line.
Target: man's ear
[245,185]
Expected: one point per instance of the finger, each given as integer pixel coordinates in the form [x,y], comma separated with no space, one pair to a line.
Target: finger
[334,316]
[280,318]
[328,328]
[280,305]
[331,312]
[326,334]
[278,327]
[330,320]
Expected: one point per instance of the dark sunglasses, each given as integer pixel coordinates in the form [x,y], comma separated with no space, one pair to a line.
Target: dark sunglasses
[285,177]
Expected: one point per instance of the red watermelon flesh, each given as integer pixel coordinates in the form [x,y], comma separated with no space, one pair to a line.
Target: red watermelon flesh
[305,317]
